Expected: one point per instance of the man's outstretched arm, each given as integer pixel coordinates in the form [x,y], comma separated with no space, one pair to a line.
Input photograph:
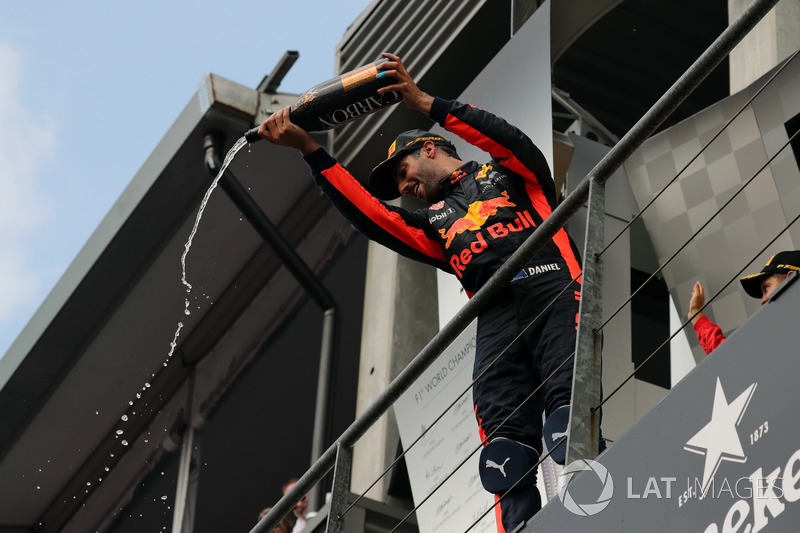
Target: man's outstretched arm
[279,129]
[391,226]
[414,97]
[708,333]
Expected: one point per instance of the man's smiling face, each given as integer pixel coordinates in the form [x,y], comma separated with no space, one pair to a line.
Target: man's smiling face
[417,174]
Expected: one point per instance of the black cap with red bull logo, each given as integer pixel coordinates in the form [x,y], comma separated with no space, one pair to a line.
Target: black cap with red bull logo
[381,182]
[780,263]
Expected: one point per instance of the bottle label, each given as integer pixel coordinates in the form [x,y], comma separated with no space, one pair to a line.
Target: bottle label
[358,109]
[359,76]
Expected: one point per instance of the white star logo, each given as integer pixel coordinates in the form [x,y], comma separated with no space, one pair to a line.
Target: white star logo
[719,440]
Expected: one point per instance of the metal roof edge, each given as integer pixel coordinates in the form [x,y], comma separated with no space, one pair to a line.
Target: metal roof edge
[213,90]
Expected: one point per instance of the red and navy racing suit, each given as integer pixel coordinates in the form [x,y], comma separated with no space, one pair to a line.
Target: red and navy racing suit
[487,212]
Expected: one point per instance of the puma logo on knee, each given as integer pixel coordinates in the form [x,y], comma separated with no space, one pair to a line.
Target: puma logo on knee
[501,468]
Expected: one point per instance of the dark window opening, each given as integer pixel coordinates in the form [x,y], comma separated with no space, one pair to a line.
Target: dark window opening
[792,126]
[650,328]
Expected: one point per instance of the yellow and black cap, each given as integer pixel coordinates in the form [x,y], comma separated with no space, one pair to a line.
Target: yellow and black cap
[381,181]
[780,263]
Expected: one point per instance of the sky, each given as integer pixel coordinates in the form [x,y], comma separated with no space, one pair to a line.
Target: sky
[88,89]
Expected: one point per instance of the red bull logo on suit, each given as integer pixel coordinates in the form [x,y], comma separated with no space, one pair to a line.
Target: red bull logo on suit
[475,219]
[476,216]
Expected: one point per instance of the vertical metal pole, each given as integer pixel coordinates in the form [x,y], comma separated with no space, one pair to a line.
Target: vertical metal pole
[341,487]
[322,415]
[584,425]
[310,282]
[185,492]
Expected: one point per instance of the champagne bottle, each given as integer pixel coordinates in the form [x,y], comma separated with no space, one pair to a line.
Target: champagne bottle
[340,100]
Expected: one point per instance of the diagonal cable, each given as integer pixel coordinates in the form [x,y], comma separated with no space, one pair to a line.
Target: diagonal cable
[702,149]
[488,437]
[696,233]
[684,324]
[568,286]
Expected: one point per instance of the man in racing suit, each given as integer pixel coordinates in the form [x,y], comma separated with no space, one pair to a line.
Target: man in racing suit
[759,285]
[479,215]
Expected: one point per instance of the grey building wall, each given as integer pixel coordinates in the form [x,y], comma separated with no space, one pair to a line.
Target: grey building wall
[623,251]
[733,218]
[773,40]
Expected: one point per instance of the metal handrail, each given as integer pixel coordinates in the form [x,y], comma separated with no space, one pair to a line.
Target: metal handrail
[649,122]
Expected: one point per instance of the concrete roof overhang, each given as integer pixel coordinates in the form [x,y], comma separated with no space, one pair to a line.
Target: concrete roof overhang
[98,349]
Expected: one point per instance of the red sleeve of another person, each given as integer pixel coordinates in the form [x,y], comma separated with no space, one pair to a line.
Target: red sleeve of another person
[709,334]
